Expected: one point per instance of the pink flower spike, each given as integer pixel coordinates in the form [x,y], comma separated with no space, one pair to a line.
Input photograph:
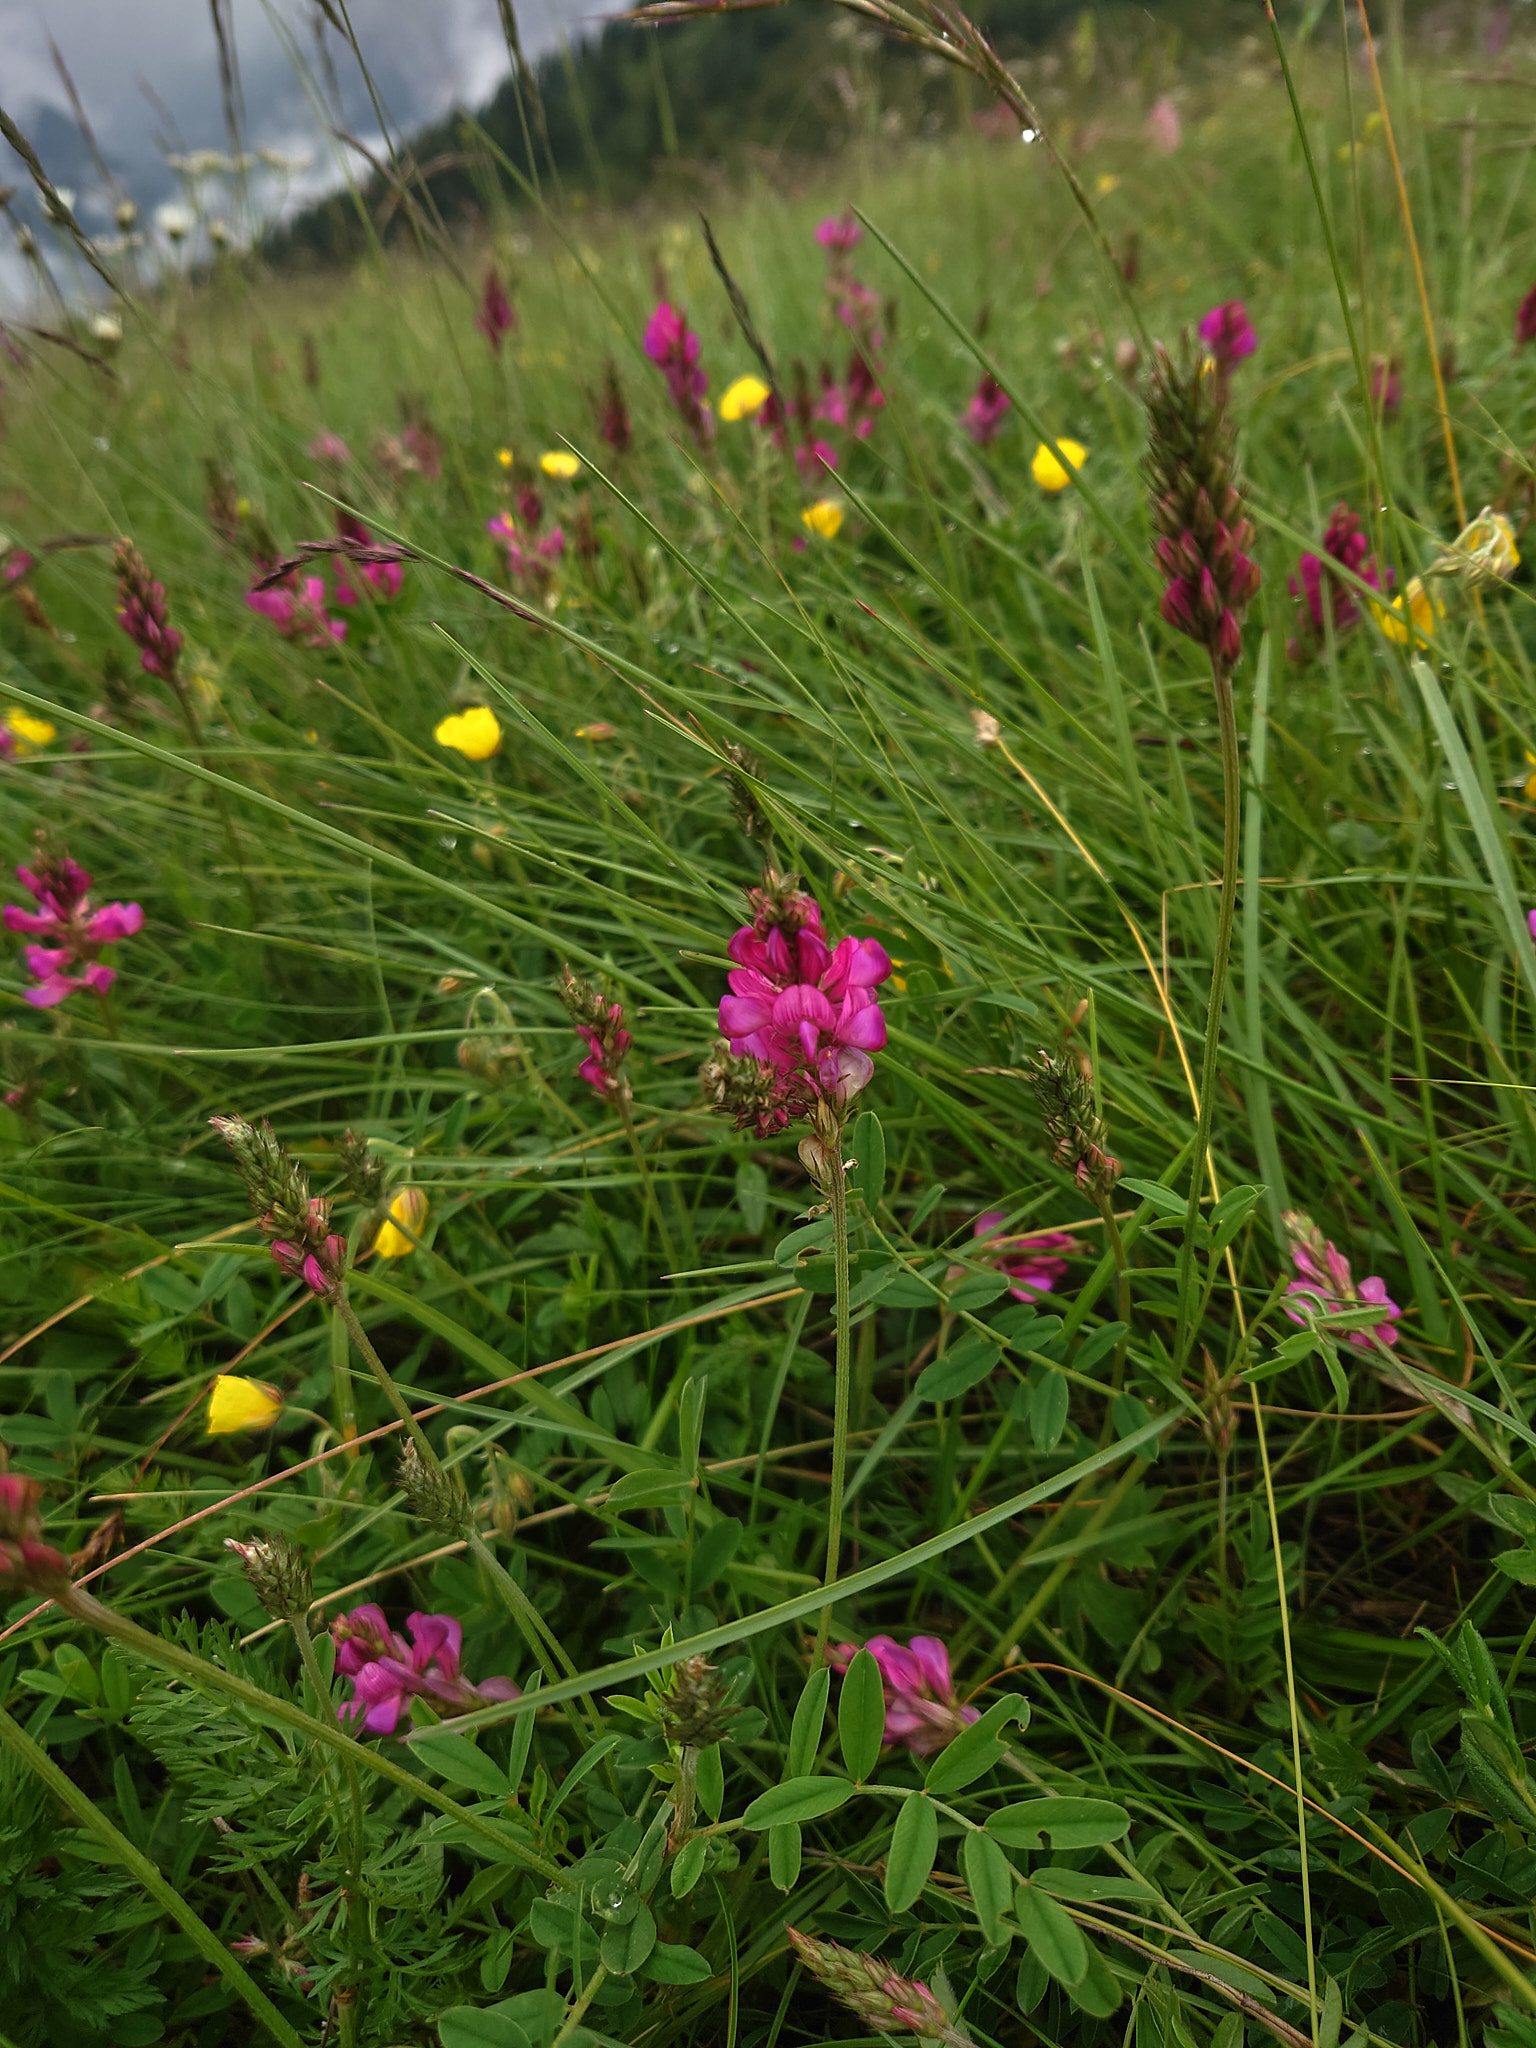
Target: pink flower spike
[1228,333]
[839,233]
[989,407]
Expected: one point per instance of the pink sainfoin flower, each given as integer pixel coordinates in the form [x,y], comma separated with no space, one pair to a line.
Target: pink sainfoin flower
[383,578]
[533,563]
[983,418]
[673,347]
[329,447]
[78,933]
[14,564]
[143,615]
[803,1008]
[1029,1262]
[1229,335]
[497,316]
[387,1672]
[1525,319]
[27,1564]
[1317,584]
[318,1258]
[1329,1286]
[839,233]
[921,1710]
[1163,126]
[296,606]
[853,404]
[876,1991]
[599,1024]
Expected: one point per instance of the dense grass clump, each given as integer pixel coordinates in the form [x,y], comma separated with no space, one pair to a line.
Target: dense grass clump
[1187,1503]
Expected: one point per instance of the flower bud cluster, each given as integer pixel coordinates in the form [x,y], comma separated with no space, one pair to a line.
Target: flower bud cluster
[27,1564]
[755,1096]
[697,1710]
[745,808]
[1197,506]
[297,1224]
[599,1024]
[870,1987]
[278,1572]
[1077,1132]
[143,615]
[436,1496]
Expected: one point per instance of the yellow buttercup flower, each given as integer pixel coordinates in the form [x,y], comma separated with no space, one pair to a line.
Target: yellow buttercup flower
[237,1404]
[1423,611]
[1048,472]
[561,463]
[407,1212]
[824,517]
[1105,183]
[1530,780]
[505,457]
[28,731]
[743,399]
[474,733]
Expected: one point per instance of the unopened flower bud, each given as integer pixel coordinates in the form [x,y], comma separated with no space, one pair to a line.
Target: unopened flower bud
[27,1564]
[278,1572]
[871,1987]
[1077,1132]
[697,1710]
[436,1496]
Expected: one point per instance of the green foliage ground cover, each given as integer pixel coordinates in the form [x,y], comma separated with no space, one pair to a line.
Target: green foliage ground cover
[350,926]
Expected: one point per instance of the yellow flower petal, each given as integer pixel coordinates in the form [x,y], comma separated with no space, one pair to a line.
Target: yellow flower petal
[1105,183]
[743,399]
[1048,472]
[824,517]
[1423,611]
[505,457]
[408,1209]
[560,462]
[236,1404]
[30,731]
[474,733]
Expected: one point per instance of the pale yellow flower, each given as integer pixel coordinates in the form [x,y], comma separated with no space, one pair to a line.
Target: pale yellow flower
[474,733]
[237,1404]
[743,399]
[1530,780]
[27,731]
[1483,552]
[1105,183]
[1048,472]
[1423,610]
[407,1213]
[505,457]
[561,463]
[824,517]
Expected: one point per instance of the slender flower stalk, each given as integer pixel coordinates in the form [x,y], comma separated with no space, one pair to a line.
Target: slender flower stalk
[1203,535]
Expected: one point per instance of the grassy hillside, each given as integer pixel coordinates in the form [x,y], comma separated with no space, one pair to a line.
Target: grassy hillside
[1240,1577]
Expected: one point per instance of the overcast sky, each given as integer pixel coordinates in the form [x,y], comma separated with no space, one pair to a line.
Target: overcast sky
[425,56]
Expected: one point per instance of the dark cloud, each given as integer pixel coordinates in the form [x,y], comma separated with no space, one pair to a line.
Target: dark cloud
[424,56]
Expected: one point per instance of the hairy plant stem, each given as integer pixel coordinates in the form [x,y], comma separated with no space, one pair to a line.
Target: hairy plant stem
[1200,1165]
[165,1895]
[85,1607]
[1106,1207]
[837,1193]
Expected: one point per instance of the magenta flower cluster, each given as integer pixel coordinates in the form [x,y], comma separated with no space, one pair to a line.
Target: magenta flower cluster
[497,316]
[531,556]
[673,347]
[320,1261]
[297,607]
[146,621]
[1318,586]
[1209,587]
[922,1712]
[984,416]
[387,1673]
[1330,1288]
[1030,1262]
[1229,335]
[78,933]
[384,579]
[804,1008]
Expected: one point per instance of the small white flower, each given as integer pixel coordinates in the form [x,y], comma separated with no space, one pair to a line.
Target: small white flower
[218,232]
[276,160]
[174,222]
[106,331]
[61,205]
[125,213]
